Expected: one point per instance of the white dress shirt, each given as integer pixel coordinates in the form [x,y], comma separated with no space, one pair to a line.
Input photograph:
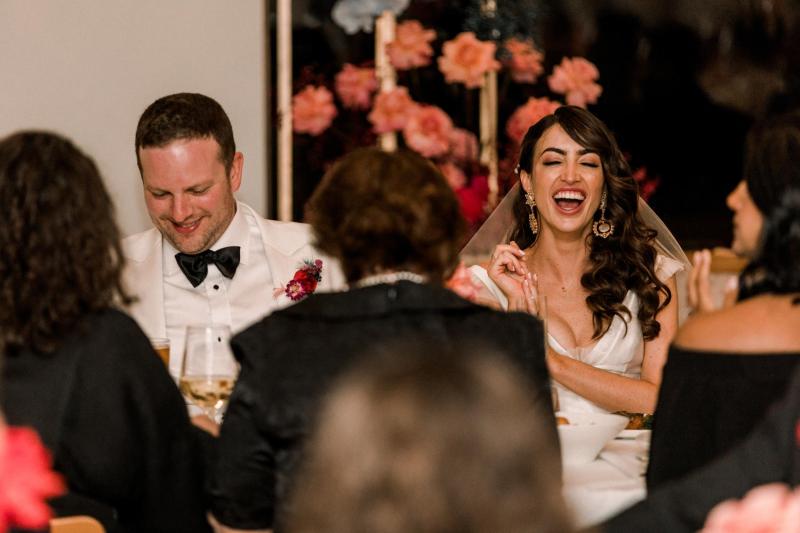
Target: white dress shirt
[236,302]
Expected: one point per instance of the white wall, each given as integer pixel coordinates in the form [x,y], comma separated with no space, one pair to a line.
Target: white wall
[88,68]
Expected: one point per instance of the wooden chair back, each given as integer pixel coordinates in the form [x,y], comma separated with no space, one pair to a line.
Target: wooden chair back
[76,524]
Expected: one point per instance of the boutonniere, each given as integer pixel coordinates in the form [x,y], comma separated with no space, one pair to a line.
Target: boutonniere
[304,281]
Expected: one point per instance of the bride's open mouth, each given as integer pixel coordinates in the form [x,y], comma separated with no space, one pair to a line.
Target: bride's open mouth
[569,201]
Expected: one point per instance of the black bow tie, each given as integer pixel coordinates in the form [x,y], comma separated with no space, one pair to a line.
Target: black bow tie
[195,266]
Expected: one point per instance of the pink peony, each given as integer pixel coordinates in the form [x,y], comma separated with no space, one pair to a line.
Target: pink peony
[355,86]
[461,283]
[312,110]
[455,176]
[769,508]
[525,62]
[527,115]
[576,78]
[463,146]
[411,46]
[428,131]
[465,59]
[391,110]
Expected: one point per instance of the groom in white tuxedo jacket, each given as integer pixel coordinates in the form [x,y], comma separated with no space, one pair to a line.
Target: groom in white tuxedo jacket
[209,258]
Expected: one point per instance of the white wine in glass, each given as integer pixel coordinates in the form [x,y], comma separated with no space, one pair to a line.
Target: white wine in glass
[209,369]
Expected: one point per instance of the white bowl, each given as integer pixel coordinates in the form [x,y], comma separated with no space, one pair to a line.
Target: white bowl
[586,434]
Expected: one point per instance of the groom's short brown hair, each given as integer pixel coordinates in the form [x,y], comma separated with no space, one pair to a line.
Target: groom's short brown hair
[185,116]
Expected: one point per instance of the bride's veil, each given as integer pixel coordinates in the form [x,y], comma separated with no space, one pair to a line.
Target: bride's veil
[501,223]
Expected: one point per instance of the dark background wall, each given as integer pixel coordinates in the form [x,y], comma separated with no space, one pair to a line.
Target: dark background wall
[682,81]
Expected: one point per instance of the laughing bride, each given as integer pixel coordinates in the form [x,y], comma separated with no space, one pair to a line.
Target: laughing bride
[573,244]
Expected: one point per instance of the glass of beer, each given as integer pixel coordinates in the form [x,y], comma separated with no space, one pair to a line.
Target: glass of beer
[209,369]
[161,346]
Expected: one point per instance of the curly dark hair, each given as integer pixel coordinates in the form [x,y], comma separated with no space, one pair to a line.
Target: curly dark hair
[377,210]
[772,174]
[185,116]
[626,259]
[60,256]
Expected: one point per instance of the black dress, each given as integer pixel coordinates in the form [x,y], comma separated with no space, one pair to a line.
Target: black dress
[769,454]
[289,358]
[106,407]
[708,403]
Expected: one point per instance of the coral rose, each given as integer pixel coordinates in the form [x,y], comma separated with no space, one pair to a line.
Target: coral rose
[391,110]
[769,508]
[428,131]
[463,146]
[466,59]
[455,176]
[524,61]
[312,110]
[527,115]
[411,46]
[355,86]
[575,78]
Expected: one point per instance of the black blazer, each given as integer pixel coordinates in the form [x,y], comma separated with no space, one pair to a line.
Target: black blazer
[117,426]
[770,454]
[289,358]
[708,403]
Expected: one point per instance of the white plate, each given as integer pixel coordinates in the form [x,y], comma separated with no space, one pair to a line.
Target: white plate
[634,434]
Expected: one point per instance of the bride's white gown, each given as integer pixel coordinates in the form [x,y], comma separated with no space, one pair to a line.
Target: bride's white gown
[617,351]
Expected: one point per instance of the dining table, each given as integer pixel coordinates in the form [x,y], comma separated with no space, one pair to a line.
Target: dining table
[612,482]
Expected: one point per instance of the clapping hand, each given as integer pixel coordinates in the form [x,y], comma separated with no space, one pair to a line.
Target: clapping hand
[508,270]
[699,285]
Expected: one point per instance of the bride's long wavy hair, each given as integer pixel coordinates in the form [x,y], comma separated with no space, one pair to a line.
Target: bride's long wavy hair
[626,259]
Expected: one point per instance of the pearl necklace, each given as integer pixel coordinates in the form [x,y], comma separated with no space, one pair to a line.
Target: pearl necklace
[390,277]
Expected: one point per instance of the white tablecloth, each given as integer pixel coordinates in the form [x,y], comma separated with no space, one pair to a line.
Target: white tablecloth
[611,483]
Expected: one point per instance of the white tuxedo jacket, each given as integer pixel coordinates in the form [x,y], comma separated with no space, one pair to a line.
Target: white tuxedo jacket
[287,245]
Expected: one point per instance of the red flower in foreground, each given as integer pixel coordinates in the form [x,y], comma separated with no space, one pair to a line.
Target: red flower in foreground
[26,480]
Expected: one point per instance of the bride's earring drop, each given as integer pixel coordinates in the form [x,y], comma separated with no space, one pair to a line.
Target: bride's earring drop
[603,228]
[532,222]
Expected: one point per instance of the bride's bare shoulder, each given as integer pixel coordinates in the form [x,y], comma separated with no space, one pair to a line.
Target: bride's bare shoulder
[765,324]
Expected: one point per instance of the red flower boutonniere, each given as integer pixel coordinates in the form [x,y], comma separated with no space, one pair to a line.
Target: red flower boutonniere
[305,280]
[26,480]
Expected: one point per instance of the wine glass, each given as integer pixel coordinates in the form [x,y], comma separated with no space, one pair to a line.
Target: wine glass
[209,369]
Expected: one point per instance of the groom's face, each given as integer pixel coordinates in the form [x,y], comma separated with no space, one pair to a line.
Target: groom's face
[189,194]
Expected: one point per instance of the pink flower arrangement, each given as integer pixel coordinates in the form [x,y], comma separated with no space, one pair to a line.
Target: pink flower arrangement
[527,115]
[575,78]
[428,131]
[525,61]
[411,46]
[647,184]
[461,283]
[466,59]
[453,174]
[355,86]
[463,146]
[391,110]
[772,508]
[26,480]
[312,110]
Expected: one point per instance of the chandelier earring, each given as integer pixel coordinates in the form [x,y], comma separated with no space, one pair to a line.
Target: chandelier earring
[532,221]
[603,228]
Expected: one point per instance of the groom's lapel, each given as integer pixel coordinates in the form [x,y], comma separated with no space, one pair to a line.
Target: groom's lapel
[144,278]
